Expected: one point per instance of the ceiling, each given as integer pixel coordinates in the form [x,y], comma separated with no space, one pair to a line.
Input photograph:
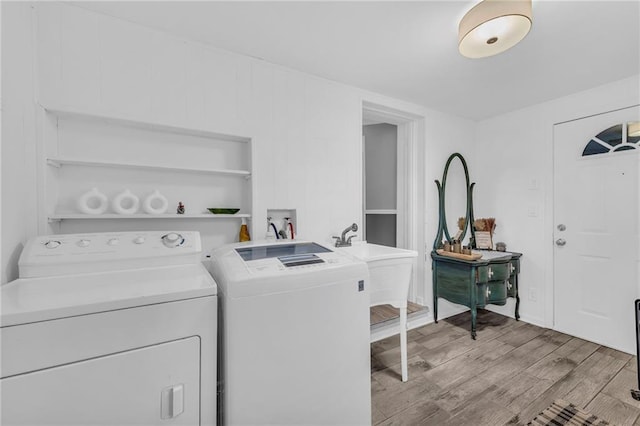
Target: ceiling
[408,50]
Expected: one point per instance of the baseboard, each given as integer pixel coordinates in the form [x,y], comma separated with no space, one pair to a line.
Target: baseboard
[533,321]
[510,313]
[418,319]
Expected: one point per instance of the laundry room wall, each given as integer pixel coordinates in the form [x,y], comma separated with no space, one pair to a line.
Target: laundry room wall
[18,152]
[446,136]
[305,130]
[514,159]
[300,126]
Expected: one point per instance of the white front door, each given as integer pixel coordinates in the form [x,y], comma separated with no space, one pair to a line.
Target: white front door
[596,227]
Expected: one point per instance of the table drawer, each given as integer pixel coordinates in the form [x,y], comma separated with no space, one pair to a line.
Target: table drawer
[493,292]
[497,291]
[493,272]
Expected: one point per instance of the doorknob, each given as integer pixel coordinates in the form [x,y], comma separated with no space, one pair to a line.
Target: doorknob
[560,242]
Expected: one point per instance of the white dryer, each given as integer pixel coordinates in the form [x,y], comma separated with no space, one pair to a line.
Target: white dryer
[295,335]
[110,329]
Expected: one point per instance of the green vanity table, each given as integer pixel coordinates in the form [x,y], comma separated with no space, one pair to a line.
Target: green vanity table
[476,283]
[490,280]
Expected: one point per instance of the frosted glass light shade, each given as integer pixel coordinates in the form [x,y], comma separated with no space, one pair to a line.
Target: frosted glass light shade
[493,26]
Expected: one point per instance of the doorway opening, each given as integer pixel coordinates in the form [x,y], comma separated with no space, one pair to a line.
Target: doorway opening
[380,195]
[393,198]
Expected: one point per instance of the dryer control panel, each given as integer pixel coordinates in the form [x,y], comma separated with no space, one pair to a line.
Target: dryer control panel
[98,252]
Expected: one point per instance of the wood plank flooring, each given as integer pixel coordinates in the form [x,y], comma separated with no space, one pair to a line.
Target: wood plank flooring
[507,376]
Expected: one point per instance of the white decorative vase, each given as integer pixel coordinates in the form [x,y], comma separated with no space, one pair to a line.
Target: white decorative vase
[93,202]
[155,203]
[125,203]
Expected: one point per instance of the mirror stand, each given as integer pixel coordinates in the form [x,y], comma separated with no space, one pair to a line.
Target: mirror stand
[477,280]
[443,229]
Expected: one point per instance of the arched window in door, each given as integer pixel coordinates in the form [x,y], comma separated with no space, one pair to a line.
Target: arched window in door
[621,137]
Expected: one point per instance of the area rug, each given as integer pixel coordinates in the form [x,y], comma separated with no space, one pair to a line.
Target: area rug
[563,413]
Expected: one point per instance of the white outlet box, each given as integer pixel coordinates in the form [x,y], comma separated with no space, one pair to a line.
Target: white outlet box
[533,294]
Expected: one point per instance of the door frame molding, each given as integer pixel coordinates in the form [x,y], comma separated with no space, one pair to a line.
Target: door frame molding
[410,185]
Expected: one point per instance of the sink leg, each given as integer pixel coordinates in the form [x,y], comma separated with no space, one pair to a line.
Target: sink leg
[403,343]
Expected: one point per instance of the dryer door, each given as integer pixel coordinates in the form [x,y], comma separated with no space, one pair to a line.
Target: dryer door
[152,385]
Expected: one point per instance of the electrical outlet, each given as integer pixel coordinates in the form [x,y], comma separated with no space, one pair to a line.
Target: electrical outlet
[533,294]
[533,184]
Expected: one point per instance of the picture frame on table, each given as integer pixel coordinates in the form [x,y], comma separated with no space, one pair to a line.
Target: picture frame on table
[483,240]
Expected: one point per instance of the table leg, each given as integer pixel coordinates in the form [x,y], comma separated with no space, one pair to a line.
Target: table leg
[474,315]
[435,294]
[515,281]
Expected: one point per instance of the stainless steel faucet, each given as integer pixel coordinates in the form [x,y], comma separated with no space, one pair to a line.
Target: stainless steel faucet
[341,241]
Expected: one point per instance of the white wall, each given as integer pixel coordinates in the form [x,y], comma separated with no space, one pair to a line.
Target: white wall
[306,130]
[306,144]
[514,167]
[18,216]
[445,136]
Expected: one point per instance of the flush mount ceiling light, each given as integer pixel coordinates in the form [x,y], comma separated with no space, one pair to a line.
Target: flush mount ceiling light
[493,26]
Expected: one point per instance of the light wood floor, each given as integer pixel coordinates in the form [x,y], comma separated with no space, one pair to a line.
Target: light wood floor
[507,376]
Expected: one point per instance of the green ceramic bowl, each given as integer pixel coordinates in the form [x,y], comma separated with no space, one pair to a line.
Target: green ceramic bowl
[223,211]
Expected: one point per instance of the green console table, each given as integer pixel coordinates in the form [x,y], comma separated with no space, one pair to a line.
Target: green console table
[490,280]
[476,283]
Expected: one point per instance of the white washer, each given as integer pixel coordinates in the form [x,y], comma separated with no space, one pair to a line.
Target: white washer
[110,329]
[295,335]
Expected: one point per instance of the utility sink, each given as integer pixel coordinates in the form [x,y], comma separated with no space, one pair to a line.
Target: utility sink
[390,271]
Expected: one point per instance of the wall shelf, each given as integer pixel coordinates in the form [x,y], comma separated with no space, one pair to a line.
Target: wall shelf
[381,211]
[199,167]
[120,119]
[80,216]
[59,162]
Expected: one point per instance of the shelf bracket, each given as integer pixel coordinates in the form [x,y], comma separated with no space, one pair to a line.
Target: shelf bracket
[53,163]
[53,219]
[247,177]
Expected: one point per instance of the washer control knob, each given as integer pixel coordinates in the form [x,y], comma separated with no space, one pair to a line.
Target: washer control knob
[83,243]
[51,244]
[139,240]
[113,242]
[172,239]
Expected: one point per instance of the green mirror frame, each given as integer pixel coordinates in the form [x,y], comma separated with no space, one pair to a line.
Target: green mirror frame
[442,217]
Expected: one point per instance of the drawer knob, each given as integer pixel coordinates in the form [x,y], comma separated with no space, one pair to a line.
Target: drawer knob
[511,268]
[488,292]
[489,272]
[509,286]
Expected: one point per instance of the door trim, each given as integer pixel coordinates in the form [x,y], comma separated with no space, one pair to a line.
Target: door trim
[410,186]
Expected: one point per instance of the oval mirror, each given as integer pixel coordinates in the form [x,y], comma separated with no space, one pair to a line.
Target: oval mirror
[455,197]
[455,200]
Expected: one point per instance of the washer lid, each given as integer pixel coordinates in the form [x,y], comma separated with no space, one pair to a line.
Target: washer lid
[28,300]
